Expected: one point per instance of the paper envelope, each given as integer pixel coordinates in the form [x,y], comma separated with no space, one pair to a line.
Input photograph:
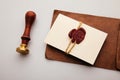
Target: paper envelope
[109,55]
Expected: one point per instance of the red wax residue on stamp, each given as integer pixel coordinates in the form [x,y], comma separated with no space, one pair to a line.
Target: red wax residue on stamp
[77,35]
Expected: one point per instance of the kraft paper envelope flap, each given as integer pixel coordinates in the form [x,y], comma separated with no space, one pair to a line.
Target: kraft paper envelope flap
[118,50]
[109,56]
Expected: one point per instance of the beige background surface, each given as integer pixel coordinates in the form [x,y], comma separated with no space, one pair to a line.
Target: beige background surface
[34,66]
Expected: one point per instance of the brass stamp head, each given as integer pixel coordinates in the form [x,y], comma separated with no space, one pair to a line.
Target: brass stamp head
[23,49]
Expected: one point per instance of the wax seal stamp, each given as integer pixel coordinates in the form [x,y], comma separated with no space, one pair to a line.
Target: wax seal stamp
[29,19]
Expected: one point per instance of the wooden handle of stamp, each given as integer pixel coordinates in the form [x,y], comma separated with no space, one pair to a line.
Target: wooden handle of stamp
[29,19]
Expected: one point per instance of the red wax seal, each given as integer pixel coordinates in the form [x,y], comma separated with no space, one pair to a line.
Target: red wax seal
[77,35]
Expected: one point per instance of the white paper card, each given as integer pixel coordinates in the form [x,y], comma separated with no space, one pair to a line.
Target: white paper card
[87,50]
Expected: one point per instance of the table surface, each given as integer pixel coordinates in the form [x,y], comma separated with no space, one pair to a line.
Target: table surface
[35,66]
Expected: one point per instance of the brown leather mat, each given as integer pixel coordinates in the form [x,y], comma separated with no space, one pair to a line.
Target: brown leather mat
[109,56]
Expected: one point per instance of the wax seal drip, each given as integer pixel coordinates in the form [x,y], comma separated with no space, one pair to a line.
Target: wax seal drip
[76,36]
[29,19]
